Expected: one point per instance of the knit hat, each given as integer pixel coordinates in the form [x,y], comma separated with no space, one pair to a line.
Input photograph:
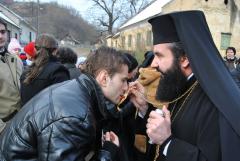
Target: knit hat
[23,56]
[30,49]
[149,78]
[14,44]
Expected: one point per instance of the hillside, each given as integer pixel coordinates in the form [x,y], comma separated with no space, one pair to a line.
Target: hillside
[55,19]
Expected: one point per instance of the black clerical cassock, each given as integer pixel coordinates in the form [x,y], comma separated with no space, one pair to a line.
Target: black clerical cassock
[205,123]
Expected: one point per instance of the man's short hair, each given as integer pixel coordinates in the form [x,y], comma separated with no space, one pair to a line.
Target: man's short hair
[66,55]
[105,58]
[3,22]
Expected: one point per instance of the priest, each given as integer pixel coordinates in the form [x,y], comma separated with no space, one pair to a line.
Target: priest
[201,122]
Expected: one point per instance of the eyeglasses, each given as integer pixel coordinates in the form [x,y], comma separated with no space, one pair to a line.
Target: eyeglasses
[3,31]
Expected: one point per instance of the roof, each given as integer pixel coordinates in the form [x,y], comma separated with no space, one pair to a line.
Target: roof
[19,17]
[4,17]
[71,38]
[116,35]
[11,12]
[109,36]
[153,9]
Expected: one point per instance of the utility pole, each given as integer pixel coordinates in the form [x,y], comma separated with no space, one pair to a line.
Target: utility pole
[37,17]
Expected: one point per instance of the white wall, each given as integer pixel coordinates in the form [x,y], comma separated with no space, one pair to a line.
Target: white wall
[25,34]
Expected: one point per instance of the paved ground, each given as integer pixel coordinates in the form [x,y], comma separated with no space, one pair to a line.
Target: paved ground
[81,51]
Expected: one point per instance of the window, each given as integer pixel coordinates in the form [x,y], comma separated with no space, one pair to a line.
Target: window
[149,38]
[129,40]
[16,35]
[139,40]
[225,40]
[30,36]
[123,42]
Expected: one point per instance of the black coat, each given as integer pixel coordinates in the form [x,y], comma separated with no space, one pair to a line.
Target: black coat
[126,126]
[195,128]
[122,123]
[73,71]
[53,72]
[236,75]
[63,122]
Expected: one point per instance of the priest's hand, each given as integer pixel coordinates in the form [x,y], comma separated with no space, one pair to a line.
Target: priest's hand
[136,91]
[158,126]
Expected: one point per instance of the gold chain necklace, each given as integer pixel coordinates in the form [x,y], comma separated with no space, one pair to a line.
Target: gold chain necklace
[175,100]
[185,100]
[189,91]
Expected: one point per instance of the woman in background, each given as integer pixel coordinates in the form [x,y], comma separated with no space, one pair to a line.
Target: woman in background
[45,69]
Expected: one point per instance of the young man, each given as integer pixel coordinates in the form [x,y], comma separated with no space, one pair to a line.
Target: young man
[10,72]
[65,121]
[201,122]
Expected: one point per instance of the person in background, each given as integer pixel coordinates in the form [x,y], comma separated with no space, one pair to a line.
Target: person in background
[10,71]
[23,57]
[68,58]
[236,73]
[65,121]
[148,58]
[14,47]
[80,62]
[30,51]
[148,77]
[230,59]
[133,67]
[44,71]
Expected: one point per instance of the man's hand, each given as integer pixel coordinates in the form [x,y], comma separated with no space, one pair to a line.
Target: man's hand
[136,91]
[112,137]
[159,127]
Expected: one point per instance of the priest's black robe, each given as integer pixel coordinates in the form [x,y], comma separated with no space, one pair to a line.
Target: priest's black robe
[195,129]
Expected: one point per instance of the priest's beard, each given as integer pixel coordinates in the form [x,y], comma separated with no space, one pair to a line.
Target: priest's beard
[172,83]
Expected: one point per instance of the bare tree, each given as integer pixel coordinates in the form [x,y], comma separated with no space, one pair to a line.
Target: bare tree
[109,12]
[135,7]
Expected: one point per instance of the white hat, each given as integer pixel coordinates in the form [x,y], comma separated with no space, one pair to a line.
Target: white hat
[80,60]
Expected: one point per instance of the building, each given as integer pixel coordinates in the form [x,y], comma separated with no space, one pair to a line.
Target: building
[20,29]
[223,17]
[68,39]
[13,28]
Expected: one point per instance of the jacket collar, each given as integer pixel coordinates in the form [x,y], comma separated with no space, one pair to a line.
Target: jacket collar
[68,65]
[3,51]
[96,96]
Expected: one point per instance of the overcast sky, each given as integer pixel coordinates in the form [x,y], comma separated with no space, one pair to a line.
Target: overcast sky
[80,5]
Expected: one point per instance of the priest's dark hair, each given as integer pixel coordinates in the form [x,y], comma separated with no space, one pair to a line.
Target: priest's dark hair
[177,49]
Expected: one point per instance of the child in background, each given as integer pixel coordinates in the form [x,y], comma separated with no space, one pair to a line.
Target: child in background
[14,47]
[30,51]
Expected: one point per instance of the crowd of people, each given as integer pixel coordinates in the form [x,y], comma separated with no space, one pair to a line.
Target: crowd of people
[180,104]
